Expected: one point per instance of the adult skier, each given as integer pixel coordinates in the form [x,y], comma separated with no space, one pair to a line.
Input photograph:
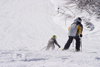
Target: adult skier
[75,32]
[51,43]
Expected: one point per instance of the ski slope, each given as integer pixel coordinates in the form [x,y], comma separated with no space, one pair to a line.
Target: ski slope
[27,25]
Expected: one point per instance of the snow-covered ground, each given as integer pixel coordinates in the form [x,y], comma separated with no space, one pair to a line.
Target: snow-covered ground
[27,25]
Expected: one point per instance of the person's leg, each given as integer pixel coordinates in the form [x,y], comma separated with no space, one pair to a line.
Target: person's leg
[77,43]
[68,43]
[53,47]
[48,47]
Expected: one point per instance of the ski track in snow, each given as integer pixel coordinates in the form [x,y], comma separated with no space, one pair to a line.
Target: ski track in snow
[21,58]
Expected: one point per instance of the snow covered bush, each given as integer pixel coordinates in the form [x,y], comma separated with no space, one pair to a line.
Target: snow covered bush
[89,25]
[90,6]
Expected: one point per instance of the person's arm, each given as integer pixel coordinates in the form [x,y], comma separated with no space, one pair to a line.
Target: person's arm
[68,28]
[80,30]
[56,43]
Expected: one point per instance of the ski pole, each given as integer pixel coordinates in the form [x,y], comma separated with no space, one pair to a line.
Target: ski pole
[43,48]
[73,43]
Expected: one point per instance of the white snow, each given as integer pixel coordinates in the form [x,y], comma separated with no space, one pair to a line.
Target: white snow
[27,25]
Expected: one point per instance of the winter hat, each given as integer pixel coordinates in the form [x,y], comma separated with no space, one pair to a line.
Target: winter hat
[78,20]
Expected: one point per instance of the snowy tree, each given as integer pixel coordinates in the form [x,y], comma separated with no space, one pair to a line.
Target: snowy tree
[91,6]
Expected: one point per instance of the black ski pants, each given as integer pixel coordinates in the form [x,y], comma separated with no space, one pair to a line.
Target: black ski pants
[67,45]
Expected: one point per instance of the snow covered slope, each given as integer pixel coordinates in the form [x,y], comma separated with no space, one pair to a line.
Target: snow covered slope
[27,24]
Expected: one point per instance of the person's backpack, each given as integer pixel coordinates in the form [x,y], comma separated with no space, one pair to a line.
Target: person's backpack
[73,30]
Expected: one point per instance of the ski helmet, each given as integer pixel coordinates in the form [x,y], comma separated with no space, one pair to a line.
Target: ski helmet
[54,36]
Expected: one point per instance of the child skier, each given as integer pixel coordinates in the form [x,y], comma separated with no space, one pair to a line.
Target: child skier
[51,43]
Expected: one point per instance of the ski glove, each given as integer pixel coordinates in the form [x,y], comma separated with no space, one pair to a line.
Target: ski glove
[59,46]
[81,35]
